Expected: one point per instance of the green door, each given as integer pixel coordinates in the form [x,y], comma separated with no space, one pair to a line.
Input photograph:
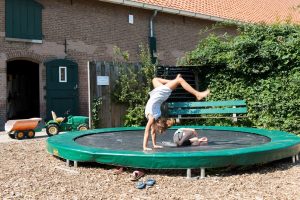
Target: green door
[61,87]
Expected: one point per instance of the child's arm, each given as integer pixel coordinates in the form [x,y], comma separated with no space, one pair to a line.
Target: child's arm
[146,134]
[153,134]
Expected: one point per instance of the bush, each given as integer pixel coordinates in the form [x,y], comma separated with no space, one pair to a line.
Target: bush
[133,86]
[261,65]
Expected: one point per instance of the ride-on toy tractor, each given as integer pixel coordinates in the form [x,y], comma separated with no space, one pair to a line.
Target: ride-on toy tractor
[72,123]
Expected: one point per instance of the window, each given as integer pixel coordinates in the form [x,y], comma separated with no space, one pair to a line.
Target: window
[23,19]
[62,74]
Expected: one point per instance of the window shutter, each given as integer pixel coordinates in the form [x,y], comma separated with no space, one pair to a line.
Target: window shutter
[23,19]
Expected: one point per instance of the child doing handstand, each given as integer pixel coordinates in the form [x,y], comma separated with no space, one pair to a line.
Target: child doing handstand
[161,92]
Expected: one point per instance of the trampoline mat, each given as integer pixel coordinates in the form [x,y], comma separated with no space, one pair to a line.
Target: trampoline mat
[133,140]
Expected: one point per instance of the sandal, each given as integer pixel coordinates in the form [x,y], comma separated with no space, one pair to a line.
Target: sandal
[136,175]
[118,171]
[140,185]
[150,182]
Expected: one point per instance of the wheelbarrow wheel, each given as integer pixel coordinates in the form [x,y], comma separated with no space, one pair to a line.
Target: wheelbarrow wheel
[11,135]
[19,135]
[52,129]
[31,134]
[82,127]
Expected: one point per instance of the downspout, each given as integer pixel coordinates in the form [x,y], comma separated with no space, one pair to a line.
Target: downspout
[151,23]
[152,39]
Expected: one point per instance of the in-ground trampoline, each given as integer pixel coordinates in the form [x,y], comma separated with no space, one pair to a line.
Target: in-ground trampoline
[227,146]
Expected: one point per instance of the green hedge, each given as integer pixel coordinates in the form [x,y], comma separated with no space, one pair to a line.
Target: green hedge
[261,64]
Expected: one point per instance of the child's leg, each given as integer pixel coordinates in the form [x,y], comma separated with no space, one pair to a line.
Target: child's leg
[197,141]
[194,141]
[173,84]
[159,81]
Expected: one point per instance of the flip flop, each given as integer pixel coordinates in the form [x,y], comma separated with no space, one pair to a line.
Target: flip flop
[118,171]
[136,175]
[150,182]
[140,185]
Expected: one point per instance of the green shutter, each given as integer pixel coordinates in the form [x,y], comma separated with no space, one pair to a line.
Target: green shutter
[23,19]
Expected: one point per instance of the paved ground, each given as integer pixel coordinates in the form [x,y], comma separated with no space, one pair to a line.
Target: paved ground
[28,172]
[4,138]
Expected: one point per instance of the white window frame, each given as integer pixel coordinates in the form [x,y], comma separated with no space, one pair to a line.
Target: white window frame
[59,74]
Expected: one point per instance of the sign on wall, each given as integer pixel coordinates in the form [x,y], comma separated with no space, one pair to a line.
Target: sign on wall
[102,80]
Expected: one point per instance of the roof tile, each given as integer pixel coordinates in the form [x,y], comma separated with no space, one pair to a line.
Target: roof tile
[268,11]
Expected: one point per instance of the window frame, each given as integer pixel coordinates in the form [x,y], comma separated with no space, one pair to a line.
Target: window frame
[60,74]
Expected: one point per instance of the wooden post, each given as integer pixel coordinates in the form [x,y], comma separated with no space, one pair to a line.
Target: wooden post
[234,116]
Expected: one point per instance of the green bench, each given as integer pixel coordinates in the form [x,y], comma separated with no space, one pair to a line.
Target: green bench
[233,109]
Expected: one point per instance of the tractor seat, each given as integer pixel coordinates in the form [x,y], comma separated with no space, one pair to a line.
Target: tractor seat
[57,119]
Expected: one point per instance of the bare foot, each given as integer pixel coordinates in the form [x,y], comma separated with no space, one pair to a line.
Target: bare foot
[203,94]
[202,140]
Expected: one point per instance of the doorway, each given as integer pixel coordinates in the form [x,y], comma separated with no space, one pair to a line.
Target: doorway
[62,87]
[23,98]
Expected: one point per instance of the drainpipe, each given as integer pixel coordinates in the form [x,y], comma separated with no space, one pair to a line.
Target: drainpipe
[152,39]
[151,23]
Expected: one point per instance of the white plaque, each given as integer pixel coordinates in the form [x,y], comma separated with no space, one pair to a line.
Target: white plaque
[102,80]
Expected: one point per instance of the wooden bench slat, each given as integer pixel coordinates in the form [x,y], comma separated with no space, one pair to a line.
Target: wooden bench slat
[192,111]
[206,104]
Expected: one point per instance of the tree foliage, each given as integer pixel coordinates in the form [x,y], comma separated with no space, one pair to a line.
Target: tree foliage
[133,86]
[261,64]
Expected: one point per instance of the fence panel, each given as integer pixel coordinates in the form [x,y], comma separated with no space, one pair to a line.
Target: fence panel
[103,76]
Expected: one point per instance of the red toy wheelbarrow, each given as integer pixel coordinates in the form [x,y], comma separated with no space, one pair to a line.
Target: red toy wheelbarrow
[21,128]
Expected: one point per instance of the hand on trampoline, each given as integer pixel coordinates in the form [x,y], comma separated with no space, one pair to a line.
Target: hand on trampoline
[147,149]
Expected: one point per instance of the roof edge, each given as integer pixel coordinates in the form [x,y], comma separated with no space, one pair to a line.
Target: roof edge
[166,10]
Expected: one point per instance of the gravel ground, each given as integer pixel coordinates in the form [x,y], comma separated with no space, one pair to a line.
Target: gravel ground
[27,171]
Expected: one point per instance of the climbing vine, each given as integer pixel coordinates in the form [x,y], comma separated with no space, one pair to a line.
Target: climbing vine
[133,85]
[96,110]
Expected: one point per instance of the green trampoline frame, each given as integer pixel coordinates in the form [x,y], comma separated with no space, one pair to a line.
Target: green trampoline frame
[282,145]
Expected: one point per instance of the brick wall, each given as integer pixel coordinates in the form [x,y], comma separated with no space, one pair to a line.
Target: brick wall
[91,29]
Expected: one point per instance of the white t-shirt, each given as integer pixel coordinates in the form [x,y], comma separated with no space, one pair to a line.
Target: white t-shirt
[157,97]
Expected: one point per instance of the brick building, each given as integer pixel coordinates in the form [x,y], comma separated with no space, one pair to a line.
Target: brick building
[45,46]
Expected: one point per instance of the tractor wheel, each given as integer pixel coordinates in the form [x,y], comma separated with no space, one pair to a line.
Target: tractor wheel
[82,127]
[52,129]
[19,135]
[31,134]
